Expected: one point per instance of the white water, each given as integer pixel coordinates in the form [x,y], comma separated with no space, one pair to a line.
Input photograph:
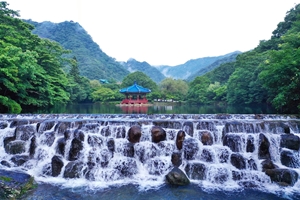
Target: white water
[150,162]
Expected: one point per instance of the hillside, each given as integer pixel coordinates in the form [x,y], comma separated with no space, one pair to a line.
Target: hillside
[214,65]
[191,67]
[133,65]
[93,62]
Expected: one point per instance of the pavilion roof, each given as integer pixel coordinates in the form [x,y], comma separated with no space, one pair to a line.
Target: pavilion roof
[134,89]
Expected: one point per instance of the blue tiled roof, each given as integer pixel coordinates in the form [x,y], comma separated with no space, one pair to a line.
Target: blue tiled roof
[135,88]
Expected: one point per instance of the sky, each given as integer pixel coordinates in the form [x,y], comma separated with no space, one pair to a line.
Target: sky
[165,32]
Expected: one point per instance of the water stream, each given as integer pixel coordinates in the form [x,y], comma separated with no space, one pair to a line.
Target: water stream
[83,155]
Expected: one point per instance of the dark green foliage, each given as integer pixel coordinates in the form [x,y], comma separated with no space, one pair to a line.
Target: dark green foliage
[30,67]
[133,65]
[141,79]
[93,62]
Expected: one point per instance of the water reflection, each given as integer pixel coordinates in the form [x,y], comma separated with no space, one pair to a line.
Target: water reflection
[156,108]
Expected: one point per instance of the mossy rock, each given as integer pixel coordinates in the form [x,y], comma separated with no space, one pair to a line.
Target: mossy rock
[13,185]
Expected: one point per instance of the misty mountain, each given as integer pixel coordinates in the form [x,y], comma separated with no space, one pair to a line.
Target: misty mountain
[191,67]
[92,61]
[214,65]
[133,65]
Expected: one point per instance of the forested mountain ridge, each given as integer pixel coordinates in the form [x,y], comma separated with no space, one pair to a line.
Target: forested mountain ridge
[270,73]
[214,65]
[93,63]
[189,68]
[133,65]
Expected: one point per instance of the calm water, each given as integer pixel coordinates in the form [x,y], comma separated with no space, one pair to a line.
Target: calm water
[156,108]
[166,192]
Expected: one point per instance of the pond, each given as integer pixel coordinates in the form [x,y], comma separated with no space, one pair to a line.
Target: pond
[155,108]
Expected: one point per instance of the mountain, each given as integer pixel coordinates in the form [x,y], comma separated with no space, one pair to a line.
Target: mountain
[133,65]
[92,61]
[184,71]
[214,65]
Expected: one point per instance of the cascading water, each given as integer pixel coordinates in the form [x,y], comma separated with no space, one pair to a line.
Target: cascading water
[216,152]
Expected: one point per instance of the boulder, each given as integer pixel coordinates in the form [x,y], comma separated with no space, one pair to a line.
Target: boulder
[238,161]
[250,147]
[14,185]
[206,138]
[158,134]
[268,164]
[290,141]
[233,141]
[19,160]
[177,177]
[134,134]
[15,147]
[56,165]
[76,147]
[176,159]
[179,139]
[73,169]
[289,159]
[284,177]
[263,148]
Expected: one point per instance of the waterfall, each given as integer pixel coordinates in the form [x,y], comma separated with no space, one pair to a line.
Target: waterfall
[215,151]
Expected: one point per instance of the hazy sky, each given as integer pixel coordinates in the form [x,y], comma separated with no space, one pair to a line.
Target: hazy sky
[166,32]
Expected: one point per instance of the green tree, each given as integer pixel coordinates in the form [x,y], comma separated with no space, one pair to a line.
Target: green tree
[281,73]
[141,79]
[173,89]
[197,92]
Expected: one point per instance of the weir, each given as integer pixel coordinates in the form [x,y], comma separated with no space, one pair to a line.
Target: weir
[214,151]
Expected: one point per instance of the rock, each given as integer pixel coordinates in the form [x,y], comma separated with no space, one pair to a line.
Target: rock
[61,127]
[14,185]
[233,141]
[76,147]
[61,145]
[268,164]
[250,144]
[190,148]
[56,165]
[105,131]
[238,161]
[179,139]
[111,144]
[24,132]
[176,159]
[284,177]
[134,134]
[158,134]
[290,141]
[263,149]
[195,171]
[288,159]
[32,147]
[206,138]
[73,169]
[15,147]
[48,138]
[177,177]
[19,160]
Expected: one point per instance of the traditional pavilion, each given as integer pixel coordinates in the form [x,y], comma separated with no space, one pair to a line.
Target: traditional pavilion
[135,94]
